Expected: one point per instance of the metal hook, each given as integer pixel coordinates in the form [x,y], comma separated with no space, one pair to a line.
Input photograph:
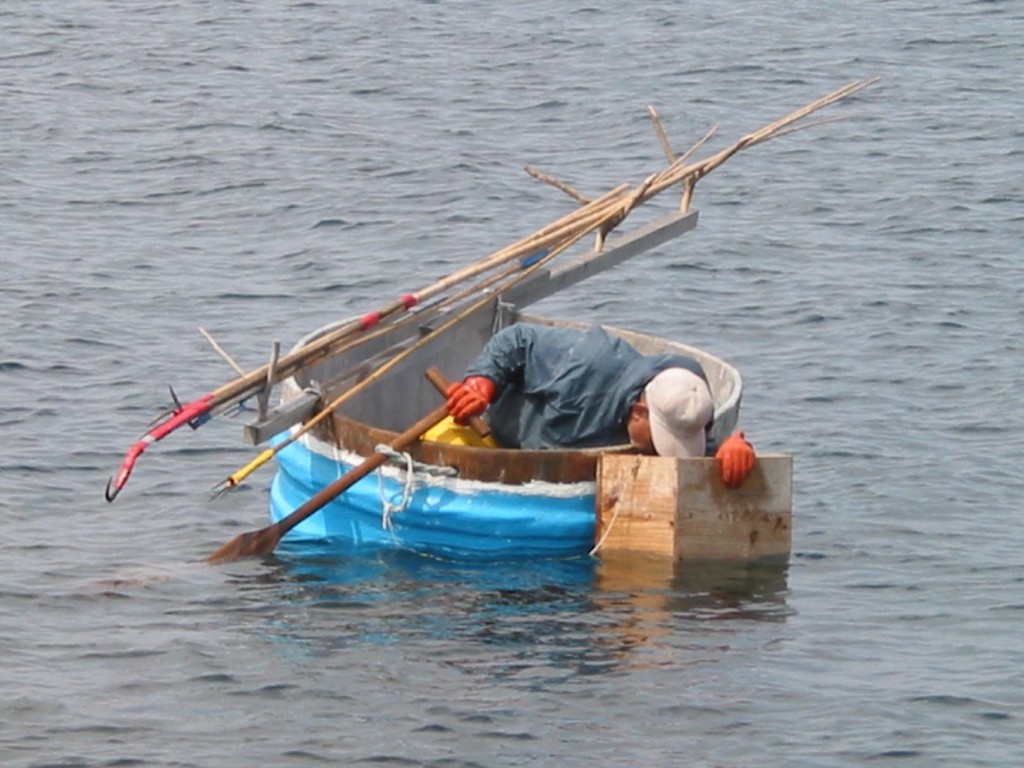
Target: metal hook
[110,492]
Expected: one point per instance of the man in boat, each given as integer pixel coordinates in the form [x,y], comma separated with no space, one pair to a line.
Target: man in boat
[564,388]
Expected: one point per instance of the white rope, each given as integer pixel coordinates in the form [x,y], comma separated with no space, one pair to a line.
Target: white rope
[388,508]
[607,530]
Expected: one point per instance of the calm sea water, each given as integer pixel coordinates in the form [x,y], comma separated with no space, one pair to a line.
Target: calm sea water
[259,169]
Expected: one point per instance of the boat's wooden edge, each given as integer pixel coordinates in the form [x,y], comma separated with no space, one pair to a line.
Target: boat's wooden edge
[679,508]
[499,465]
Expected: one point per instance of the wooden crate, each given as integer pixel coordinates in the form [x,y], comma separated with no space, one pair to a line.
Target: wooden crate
[680,508]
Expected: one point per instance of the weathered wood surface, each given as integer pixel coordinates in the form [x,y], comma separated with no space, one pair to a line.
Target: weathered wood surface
[554,279]
[498,465]
[680,508]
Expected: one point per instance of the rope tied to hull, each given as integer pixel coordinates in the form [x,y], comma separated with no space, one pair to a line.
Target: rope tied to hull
[607,530]
[409,484]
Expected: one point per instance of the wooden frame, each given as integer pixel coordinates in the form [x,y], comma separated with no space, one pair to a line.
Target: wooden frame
[679,508]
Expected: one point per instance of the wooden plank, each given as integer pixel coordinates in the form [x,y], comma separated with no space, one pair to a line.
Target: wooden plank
[281,418]
[636,504]
[552,280]
[751,522]
[680,509]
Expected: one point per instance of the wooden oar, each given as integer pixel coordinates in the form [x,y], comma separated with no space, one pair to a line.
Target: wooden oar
[262,542]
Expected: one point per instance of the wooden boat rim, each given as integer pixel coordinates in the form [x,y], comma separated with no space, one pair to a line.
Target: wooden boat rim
[507,465]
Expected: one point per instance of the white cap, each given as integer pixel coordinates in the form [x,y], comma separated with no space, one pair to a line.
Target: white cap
[680,406]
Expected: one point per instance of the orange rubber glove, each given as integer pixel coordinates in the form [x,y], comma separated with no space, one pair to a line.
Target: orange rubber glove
[735,459]
[470,398]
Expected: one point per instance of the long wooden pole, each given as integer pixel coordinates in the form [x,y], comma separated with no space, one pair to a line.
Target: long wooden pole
[679,171]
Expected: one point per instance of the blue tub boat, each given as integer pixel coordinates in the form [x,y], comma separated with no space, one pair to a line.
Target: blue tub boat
[455,501]
[436,498]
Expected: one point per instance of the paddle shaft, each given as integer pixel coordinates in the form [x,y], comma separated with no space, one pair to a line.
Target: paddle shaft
[330,492]
[441,384]
[263,541]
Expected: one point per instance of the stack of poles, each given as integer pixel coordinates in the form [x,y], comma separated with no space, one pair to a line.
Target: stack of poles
[504,280]
[569,228]
[600,215]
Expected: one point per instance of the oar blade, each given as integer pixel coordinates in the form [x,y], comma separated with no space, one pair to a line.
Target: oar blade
[252,544]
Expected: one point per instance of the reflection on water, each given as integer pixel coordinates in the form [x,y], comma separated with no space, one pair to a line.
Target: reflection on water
[696,590]
[650,601]
[555,618]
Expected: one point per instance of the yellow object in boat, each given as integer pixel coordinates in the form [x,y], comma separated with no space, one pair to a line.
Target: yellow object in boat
[450,433]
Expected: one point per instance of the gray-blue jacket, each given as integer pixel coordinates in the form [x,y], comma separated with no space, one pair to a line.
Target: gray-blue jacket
[565,388]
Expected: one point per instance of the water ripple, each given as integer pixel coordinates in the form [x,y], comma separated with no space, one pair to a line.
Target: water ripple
[260,170]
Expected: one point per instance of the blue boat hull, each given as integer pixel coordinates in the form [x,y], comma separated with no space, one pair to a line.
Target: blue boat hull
[443,517]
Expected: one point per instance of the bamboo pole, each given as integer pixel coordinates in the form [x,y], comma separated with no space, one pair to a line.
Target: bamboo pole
[540,176]
[603,213]
[659,130]
[221,351]
[673,174]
